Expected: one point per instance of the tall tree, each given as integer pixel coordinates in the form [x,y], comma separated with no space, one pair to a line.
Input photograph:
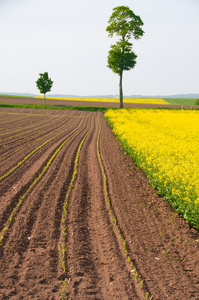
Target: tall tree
[44,84]
[124,23]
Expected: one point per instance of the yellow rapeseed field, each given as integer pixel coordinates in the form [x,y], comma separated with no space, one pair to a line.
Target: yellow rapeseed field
[165,144]
[113,100]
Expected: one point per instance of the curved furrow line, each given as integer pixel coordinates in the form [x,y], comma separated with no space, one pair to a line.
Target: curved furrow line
[13,189]
[20,200]
[138,283]
[29,143]
[36,126]
[55,123]
[143,221]
[15,122]
[32,118]
[37,228]
[141,284]
[22,139]
[11,185]
[91,256]
[8,172]
[40,123]
[64,216]
[6,117]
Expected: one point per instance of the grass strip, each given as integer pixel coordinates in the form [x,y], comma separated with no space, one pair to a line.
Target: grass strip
[47,165]
[65,107]
[114,220]
[64,218]
[14,96]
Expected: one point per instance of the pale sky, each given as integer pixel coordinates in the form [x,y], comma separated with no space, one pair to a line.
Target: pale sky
[68,39]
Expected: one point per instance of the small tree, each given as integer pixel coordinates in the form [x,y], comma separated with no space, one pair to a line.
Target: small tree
[124,23]
[44,84]
[196,102]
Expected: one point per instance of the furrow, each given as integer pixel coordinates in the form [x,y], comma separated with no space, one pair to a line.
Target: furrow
[29,143]
[143,219]
[64,217]
[36,230]
[8,172]
[92,254]
[20,200]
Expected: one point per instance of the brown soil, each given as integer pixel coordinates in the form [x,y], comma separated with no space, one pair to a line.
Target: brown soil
[19,100]
[162,247]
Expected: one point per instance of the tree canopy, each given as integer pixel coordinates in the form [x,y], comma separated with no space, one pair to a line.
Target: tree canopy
[44,84]
[124,23]
[121,57]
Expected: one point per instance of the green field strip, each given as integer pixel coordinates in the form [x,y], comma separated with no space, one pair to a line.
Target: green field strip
[45,168]
[31,143]
[180,101]
[114,219]
[56,107]
[64,217]
[32,152]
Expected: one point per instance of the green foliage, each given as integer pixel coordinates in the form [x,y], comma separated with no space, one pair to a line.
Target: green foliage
[196,102]
[188,210]
[124,23]
[121,57]
[44,83]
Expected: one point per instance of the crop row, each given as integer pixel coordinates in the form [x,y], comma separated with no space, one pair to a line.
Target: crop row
[30,140]
[64,217]
[115,222]
[8,172]
[44,169]
[22,127]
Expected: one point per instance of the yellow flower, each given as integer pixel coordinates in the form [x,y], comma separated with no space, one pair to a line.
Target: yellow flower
[165,144]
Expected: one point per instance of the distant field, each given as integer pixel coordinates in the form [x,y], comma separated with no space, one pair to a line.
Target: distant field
[114,100]
[180,101]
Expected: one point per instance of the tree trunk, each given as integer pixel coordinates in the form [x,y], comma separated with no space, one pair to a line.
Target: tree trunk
[45,99]
[121,91]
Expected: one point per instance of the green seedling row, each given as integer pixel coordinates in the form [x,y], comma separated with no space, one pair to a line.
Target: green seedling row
[64,218]
[7,224]
[32,152]
[35,141]
[39,126]
[18,141]
[113,218]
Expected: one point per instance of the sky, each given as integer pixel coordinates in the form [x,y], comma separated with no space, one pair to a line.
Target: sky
[68,39]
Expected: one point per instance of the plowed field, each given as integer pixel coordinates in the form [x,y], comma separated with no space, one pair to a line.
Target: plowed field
[78,220]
